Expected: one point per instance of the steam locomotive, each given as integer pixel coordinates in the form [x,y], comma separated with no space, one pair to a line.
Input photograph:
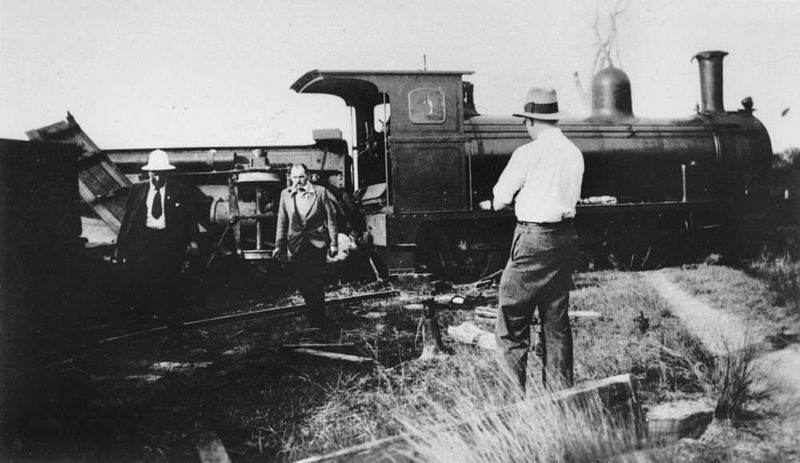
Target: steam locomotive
[654,190]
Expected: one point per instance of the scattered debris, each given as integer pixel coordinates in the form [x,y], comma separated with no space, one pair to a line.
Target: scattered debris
[642,323]
[468,333]
[585,314]
[671,421]
[316,345]
[369,315]
[414,306]
[713,259]
[616,396]
[432,346]
[210,449]
[149,379]
[177,366]
[486,312]
[333,355]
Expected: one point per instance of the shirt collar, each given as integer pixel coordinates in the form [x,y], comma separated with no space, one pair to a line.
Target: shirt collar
[153,187]
[306,189]
[550,131]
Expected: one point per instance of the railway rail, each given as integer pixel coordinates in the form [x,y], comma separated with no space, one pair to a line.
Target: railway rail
[237,316]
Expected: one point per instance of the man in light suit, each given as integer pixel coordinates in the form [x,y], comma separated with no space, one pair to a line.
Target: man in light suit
[306,228]
[157,229]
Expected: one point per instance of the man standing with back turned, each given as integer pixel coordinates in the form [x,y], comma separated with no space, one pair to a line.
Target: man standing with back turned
[306,227]
[543,181]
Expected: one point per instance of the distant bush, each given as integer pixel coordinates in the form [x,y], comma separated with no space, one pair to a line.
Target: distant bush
[782,275]
[786,158]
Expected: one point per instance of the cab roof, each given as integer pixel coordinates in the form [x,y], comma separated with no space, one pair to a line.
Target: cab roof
[356,87]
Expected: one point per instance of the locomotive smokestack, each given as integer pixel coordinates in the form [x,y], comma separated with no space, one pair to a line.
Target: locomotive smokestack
[711,81]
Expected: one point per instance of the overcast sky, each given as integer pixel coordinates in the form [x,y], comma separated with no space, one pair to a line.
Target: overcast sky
[215,73]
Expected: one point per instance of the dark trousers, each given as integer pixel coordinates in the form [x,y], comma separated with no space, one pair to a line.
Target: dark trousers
[309,273]
[157,285]
[538,274]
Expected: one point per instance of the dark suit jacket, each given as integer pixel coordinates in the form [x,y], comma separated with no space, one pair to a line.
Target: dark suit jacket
[318,227]
[181,226]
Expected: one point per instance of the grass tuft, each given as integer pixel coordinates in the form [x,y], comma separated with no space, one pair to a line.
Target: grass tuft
[733,380]
[782,276]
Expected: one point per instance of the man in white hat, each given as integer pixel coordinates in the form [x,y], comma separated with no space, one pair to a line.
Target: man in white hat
[157,229]
[542,182]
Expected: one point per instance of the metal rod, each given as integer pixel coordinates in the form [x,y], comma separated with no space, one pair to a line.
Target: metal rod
[259,244]
[386,151]
[683,182]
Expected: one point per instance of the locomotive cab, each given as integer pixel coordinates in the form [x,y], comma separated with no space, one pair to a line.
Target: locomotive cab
[411,159]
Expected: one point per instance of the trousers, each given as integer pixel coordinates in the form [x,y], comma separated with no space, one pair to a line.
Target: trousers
[309,273]
[157,286]
[538,275]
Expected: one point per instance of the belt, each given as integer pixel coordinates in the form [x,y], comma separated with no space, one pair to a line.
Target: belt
[546,224]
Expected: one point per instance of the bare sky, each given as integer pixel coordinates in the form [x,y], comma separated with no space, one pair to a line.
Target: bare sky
[168,73]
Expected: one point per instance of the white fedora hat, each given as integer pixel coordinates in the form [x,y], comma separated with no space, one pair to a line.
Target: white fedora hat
[158,160]
[541,103]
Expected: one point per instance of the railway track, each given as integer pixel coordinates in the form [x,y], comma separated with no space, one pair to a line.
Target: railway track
[258,311]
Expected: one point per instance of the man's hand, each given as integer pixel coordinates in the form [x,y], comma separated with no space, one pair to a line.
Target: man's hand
[276,253]
[333,251]
[486,205]
[193,248]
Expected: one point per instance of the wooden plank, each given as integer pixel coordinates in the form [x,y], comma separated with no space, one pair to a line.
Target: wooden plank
[469,333]
[313,345]
[98,176]
[621,412]
[108,217]
[333,355]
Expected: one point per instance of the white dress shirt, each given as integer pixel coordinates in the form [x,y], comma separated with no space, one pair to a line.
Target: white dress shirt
[304,198]
[152,222]
[545,177]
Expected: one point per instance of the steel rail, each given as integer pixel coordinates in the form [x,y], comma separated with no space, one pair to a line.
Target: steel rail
[221,320]
[246,316]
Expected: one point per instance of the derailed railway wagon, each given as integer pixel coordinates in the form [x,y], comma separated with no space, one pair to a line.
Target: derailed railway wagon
[655,191]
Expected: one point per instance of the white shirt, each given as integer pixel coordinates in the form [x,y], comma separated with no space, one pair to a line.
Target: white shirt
[161,222]
[304,198]
[545,176]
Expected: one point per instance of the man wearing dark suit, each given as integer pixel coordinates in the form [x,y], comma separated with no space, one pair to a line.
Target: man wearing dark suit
[306,227]
[156,231]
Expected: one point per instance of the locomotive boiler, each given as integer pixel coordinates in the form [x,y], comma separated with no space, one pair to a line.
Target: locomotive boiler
[654,190]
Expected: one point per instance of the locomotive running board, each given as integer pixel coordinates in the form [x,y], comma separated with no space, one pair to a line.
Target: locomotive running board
[101,184]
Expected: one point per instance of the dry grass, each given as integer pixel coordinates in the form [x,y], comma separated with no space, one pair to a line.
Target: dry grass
[739,293]
[471,429]
[417,397]
[264,403]
[782,276]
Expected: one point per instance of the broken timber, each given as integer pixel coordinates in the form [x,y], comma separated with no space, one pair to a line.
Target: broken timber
[468,333]
[100,183]
[245,316]
[620,409]
[333,355]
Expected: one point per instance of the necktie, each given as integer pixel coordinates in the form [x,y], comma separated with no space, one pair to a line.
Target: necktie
[156,210]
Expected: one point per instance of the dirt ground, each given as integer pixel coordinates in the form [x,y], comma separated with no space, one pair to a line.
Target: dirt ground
[775,436]
[151,399]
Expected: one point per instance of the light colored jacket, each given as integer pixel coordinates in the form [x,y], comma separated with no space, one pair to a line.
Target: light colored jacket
[317,227]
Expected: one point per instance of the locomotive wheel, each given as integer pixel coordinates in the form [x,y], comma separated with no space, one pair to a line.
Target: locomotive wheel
[646,246]
[461,254]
